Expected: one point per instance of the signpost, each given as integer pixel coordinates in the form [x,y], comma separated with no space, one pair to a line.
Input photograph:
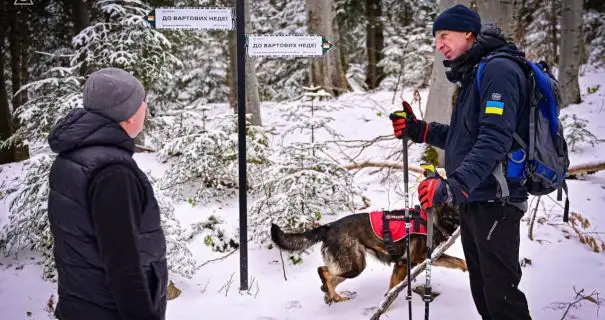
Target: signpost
[288,46]
[254,46]
[241,142]
[191,18]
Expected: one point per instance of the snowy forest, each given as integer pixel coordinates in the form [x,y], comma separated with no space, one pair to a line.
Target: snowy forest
[319,140]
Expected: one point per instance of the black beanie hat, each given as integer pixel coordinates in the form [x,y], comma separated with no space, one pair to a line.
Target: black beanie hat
[458,18]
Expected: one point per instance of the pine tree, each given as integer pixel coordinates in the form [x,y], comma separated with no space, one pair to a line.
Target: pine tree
[28,226]
[303,182]
[594,38]
[280,78]
[543,29]
[408,42]
[202,153]
[352,26]
[120,38]
[576,132]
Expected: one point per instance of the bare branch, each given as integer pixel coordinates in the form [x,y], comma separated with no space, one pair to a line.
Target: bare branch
[217,259]
[138,148]
[580,296]
[533,220]
[283,266]
[227,285]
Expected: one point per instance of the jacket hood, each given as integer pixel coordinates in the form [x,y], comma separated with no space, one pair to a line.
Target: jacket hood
[491,39]
[81,128]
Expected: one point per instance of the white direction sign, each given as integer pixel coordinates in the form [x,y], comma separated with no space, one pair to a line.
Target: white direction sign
[287,46]
[191,18]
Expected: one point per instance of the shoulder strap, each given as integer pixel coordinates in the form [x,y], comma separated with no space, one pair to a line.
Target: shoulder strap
[519,60]
[498,172]
[479,74]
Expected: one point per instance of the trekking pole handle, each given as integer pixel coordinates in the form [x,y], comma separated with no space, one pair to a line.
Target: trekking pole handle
[429,170]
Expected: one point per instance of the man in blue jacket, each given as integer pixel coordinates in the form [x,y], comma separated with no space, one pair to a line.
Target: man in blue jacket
[478,137]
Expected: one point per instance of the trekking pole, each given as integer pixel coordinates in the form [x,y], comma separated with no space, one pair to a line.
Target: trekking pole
[406,199]
[428,173]
[407,224]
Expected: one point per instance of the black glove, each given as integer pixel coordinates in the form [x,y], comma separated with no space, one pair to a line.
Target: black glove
[405,124]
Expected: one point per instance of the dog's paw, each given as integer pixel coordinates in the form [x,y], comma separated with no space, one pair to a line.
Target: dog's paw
[339,298]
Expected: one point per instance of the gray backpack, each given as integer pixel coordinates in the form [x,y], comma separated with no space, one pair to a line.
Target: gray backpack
[541,164]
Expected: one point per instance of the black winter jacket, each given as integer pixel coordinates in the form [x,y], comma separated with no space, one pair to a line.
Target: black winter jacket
[479,136]
[109,247]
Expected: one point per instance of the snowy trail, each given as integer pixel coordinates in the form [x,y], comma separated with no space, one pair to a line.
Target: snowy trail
[557,263]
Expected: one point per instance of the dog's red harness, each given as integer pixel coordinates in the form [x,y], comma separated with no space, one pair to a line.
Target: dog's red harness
[397,225]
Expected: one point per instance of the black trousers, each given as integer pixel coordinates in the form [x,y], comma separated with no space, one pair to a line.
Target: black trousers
[490,240]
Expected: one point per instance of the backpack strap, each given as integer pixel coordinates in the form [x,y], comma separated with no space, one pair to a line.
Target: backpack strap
[498,172]
[560,197]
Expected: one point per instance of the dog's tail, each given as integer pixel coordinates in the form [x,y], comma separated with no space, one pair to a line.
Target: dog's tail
[297,241]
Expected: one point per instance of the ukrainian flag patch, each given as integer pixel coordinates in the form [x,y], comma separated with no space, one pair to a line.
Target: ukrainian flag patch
[494,107]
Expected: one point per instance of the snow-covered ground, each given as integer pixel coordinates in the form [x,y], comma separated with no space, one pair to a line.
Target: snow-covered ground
[558,263]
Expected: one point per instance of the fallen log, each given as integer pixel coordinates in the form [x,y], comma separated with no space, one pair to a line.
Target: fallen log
[138,148]
[582,169]
[393,293]
[573,171]
[374,164]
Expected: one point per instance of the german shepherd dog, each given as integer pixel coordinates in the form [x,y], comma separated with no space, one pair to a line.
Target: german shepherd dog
[346,240]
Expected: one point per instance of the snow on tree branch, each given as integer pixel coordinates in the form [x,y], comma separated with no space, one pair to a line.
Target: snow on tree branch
[303,182]
[203,157]
[124,40]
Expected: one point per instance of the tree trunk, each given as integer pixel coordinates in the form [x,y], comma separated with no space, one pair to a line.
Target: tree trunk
[374,43]
[553,33]
[571,49]
[19,39]
[232,71]
[439,103]
[518,31]
[326,71]
[498,11]
[79,13]
[6,120]
[252,98]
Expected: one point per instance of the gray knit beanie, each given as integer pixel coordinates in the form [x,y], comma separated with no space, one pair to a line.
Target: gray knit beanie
[114,93]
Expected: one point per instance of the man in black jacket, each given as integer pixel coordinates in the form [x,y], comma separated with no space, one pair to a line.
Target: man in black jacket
[109,246]
[479,135]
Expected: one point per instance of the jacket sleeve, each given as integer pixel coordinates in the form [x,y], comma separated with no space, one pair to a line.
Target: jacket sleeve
[437,134]
[116,202]
[499,105]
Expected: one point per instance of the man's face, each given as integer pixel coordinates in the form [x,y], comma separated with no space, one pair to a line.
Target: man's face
[134,125]
[453,44]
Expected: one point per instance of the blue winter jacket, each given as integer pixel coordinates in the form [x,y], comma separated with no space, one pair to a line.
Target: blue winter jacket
[480,133]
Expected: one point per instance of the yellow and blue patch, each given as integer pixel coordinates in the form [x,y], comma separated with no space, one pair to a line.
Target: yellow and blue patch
[494,107]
